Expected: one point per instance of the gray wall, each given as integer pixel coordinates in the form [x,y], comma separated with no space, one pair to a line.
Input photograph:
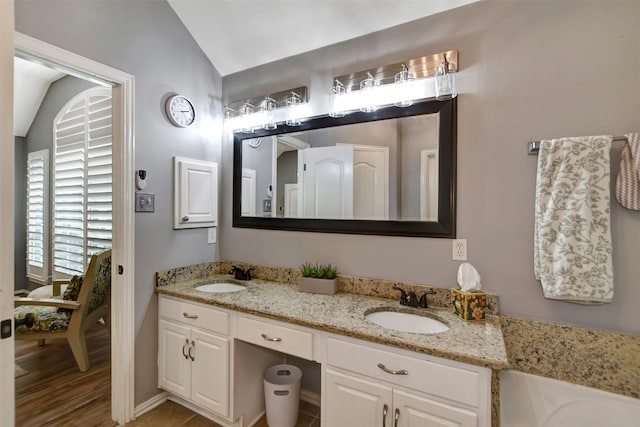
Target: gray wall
[20,213]
[147,40]
[529,70]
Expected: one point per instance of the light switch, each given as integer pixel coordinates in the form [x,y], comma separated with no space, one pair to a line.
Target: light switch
[211,235]
[145,202]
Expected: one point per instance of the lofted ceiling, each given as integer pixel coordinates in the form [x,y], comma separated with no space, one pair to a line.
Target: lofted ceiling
[240,34]
[30,85]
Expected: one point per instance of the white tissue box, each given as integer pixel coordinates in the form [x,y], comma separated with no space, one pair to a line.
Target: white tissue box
[469,306]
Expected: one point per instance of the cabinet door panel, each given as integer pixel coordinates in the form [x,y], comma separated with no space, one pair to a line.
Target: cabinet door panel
[174,370]
[355,402]
[418,411]
[210,371]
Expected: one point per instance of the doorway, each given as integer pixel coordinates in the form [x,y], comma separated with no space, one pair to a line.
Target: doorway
[122,299]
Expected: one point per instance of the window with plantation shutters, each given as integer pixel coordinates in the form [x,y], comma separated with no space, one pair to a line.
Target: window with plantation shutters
[82,189]
[38,216]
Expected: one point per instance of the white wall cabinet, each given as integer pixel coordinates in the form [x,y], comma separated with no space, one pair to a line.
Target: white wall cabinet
[195,193]
[193,363]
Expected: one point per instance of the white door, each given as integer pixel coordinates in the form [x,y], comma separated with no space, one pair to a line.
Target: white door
[370,182]
[355,402]
[415,411]
[429,185]
[173,358]
[291,200]
[248,192]
[326,181]
[210,371]
[7,381]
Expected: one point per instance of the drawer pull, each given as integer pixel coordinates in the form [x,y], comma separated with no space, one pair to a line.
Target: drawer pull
[396,418]
[184,353]
[190,316]
[268,338]
[389,371]
[193,344]
[385,409]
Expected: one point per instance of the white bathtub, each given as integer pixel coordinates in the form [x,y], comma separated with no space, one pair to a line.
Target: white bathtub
[532,401]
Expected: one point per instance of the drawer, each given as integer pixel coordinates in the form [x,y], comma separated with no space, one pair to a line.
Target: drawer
[453,383]
[280,338]
[196,315]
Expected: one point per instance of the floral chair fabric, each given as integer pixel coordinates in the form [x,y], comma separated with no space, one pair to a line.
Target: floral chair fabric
[44,319]
[52,319]
[101,287]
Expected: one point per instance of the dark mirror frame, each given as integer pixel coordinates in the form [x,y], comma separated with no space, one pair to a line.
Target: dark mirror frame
[445,227]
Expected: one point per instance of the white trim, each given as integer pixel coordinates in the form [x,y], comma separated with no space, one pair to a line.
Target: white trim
[310,397]
[122,297]
[150,404]
[7,167]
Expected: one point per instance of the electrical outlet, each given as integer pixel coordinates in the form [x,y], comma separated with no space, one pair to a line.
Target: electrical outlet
[460,249]
[211,235]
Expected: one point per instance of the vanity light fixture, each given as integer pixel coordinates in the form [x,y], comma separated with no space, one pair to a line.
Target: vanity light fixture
[267,109]
[397,84]
[337,95]
[445,80]
[403,86]
[367,95]
[285,107]
[293,110]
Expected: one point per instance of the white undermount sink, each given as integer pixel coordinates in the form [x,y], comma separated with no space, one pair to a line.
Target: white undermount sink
[406,322]
[219,288]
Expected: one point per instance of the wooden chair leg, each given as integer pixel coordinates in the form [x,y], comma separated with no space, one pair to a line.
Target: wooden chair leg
[41,342]
[78,346]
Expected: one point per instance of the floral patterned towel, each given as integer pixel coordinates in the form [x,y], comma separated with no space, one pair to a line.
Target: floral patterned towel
[572,231]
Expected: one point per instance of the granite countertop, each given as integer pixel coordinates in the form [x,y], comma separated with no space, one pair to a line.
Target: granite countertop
[480,344]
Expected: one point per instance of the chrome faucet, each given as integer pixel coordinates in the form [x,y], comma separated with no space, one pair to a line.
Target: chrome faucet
[240,274]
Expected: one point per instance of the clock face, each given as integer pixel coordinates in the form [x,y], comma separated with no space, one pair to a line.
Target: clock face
[180,111]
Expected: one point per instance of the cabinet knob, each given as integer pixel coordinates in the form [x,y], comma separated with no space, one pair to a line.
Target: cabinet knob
[268,338]
[193,344]
[189,316]
[392,372]
[185,218]
[385,409]
[396,417]
[184,352]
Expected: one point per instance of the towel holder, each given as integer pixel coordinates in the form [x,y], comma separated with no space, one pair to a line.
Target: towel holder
[533,147]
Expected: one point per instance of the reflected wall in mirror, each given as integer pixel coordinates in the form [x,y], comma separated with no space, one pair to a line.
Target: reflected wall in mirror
[391,172]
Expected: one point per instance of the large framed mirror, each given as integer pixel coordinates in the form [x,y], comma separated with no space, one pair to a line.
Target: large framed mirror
[390,172]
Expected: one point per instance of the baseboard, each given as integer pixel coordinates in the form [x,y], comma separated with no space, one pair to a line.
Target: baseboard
[150,404]
[310,397]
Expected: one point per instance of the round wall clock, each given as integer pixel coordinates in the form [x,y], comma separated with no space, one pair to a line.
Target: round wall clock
[180,111]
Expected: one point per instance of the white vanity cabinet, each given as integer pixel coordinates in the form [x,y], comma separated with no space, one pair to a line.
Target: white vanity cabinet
[193,353]
[366,385]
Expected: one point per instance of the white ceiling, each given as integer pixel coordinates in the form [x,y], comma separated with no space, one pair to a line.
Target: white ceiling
[30,85]
[240,34]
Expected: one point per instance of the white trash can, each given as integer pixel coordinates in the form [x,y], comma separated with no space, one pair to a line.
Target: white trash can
[282,395]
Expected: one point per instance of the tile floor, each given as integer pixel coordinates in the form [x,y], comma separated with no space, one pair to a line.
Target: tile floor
[170,414]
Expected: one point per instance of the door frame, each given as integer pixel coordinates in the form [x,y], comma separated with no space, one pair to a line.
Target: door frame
[123,245]
[7,141]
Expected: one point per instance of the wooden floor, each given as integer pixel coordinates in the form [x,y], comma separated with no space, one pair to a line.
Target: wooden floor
[55,392]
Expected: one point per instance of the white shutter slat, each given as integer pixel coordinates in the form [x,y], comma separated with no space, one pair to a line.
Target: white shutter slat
[37,236]
[83,181]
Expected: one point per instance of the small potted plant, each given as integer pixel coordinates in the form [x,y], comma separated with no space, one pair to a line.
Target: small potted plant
[318,278]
